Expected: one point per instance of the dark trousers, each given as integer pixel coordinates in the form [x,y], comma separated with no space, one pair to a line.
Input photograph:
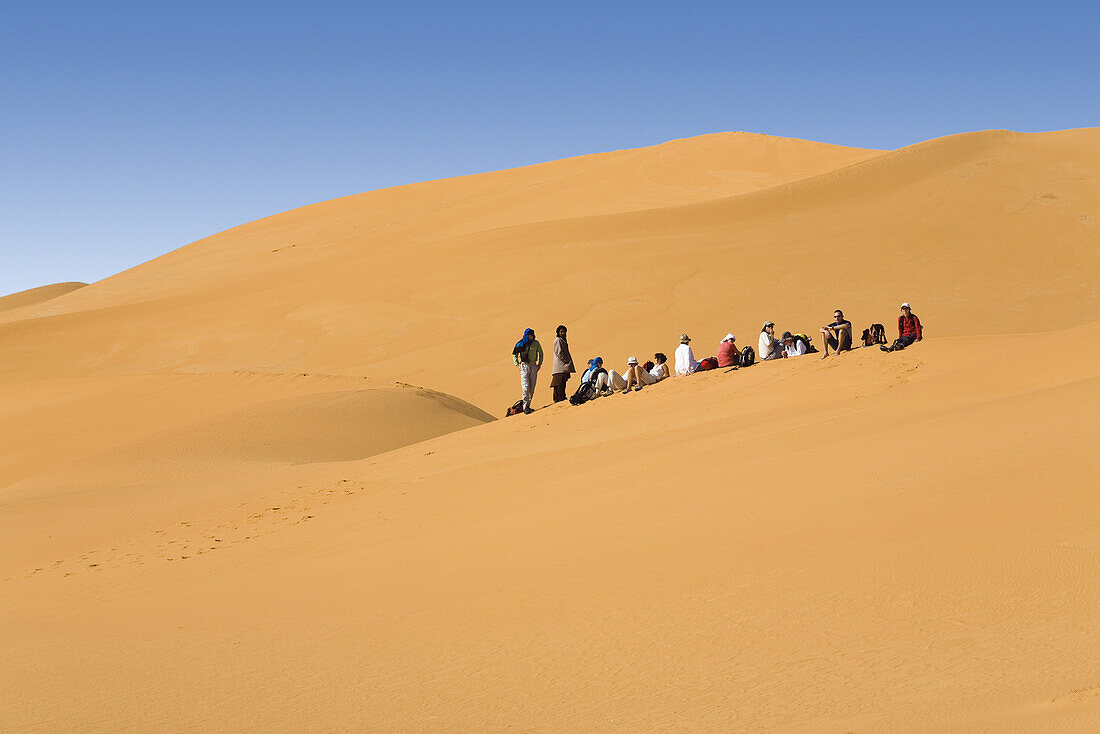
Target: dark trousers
[558,383]
[901,343]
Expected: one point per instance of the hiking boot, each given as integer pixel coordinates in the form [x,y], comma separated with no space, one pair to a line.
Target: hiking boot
[528,411]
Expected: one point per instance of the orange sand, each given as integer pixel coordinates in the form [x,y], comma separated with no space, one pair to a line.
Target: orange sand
[225,506]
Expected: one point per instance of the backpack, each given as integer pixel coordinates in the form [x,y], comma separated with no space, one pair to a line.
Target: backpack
[878,335]
[805,340]
[748,357]
[866,338]
[648,365]
[515,409]
[585,392]
[707,363]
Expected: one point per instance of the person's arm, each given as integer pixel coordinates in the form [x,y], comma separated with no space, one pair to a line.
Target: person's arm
[920,329]
[538,348]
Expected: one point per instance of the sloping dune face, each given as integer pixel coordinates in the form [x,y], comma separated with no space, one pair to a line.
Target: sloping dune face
[988,232]
[35,296]
[224,507]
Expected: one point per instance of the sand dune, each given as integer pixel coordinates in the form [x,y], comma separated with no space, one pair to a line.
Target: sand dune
[931,223]
[218,511]
[35,296]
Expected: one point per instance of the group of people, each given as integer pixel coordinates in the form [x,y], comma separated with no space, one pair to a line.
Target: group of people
[528,356]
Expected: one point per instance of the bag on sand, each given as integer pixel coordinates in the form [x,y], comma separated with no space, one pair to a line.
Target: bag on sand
[876,334]
[708,363]
[585,392]
[748,357]
[517,408]
[807,341]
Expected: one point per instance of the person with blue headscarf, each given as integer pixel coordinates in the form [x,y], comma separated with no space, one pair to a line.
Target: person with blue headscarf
[527,355]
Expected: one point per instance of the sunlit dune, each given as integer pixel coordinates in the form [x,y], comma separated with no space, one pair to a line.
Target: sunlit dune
[254,484]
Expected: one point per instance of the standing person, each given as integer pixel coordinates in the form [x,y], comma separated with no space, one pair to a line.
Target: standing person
[792,347]
[685,358]
[909,330]
[563,365]
[837,335]
[769,346]
[527,355]
[729,354]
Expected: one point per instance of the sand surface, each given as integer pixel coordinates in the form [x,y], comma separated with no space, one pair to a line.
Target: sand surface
[254,484]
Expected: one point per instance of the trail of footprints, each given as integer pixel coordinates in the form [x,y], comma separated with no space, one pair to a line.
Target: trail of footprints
[192,538]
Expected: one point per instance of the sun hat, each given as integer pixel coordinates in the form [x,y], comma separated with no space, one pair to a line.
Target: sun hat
[684,338]
[905,305]
[729,338]
[768,323]
[787,335]
[632,360]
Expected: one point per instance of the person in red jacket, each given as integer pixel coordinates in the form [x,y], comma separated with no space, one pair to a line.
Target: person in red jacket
[909,330]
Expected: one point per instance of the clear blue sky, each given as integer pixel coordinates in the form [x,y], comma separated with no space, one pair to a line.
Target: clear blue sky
[128,129]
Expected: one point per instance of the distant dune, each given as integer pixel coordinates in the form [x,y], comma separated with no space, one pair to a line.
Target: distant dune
[37,295]
[245,486]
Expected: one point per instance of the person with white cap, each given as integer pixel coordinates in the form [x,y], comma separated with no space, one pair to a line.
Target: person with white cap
[685,358]
[635,375]
[909,330]
[769,347]
[728,353]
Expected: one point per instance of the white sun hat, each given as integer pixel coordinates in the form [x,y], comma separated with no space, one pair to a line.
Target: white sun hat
[729,338]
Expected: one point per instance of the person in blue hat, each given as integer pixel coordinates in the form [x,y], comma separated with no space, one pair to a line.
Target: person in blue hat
[527,355]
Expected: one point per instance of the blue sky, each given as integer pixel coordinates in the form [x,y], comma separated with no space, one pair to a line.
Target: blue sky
[128,129]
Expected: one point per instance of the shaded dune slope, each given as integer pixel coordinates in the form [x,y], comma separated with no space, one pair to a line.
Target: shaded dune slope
[36,296]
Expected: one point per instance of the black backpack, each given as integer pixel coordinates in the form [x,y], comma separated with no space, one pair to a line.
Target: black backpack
[585,392]
[748,357]
[517,408]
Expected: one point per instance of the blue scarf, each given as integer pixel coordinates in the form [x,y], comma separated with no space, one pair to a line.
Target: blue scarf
[528,337]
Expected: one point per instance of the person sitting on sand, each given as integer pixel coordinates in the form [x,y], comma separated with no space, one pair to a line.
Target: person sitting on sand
[837,335]
[769,346]
[527,355]
[637,376]
[659,370]
[792,347]
[909,330]
[606,381]
[563,365]
[685,358]
[729,355]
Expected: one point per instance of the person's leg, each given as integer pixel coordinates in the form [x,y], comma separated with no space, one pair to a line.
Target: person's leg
[844,341]
[601,382]
[828,340]
[615,381]
[557,382]
[631,378]
[645,378]
[526,384]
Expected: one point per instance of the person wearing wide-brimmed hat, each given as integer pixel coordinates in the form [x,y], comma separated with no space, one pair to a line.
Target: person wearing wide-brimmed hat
[685,358]
[769,347]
